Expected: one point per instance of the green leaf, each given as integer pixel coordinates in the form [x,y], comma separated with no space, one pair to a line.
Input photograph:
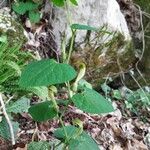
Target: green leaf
[41,145]
[22,7]
[42,111]
[31,6]
[19,8]
[83,27]
[41,91]
[5,131]
[92,102]
[34,16]
[19,106]
[74,2]
[46,72]
[80,142]
[59,3]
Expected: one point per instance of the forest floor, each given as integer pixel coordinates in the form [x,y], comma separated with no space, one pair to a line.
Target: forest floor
[128,128]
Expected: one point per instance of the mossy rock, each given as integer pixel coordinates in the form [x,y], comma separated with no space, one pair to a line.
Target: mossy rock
[11,28]
[108,59]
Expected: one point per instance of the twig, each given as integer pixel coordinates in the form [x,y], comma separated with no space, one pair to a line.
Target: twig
[8,101]
[143,41]
[131,74]
[7,119]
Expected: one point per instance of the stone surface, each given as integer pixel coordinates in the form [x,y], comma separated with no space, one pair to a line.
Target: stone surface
[96,13]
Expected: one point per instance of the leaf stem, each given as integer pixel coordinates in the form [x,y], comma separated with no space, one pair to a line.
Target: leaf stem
[71,45]
[63,126]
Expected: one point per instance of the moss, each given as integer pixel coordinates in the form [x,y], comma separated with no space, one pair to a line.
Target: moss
[111,57]
[12,29]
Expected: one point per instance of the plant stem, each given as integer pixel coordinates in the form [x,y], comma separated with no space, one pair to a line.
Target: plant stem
[8,120]
[69,100]
[63,126]
[62,114]
[69,17]
[63,47]
[71,45]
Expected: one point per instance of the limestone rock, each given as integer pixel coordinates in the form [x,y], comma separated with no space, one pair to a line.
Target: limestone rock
[96,13]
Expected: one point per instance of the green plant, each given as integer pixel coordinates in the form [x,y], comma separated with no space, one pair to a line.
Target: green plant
[137,100]
[12,60]
[51,74]
[29,8]
[48,72]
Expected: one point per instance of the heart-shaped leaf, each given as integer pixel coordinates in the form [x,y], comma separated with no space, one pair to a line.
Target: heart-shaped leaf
[46,72]
[42,111]
[92,102]
[81,142]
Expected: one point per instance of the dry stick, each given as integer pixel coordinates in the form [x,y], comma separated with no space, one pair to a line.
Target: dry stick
[7,119]
[143,41]
[122,77]
[139,86]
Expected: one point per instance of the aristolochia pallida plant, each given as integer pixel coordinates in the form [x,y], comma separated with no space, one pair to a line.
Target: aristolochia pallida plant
[48,72]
